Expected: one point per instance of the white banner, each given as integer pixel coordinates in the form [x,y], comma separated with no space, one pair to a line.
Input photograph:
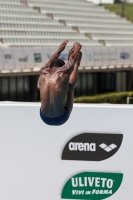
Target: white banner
[105,56]
[131,55]
[50,51]
[120,55]
[8,58]
[39,57]
[64,54]
[127,56]
[112,56]
[1,63]
[89,57]
[97,56]
[84,57]
[29,59]
[20,58]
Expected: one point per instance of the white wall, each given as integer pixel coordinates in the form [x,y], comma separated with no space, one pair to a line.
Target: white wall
[30,151]
[21,58]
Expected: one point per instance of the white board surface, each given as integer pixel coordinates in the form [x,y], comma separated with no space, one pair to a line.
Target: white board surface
[30,151]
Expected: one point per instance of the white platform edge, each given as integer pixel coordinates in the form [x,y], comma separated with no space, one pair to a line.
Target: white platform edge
[100,105]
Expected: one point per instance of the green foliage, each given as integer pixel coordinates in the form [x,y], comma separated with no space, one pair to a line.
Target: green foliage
[117,8]
[114,98]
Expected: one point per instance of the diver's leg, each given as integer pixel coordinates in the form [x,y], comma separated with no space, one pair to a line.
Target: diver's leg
[70,99]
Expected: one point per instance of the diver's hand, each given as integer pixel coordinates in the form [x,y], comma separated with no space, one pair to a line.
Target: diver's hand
[63,45]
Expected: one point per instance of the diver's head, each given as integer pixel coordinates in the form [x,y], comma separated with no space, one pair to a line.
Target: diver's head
[57,63]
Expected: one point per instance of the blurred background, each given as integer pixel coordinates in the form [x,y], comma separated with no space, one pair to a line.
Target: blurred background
[32,30]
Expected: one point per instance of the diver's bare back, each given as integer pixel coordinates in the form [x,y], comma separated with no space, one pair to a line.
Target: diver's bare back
[53,89]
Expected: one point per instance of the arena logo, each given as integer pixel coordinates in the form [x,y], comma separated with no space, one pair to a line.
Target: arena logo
[92,147]
[75,146]
[92,185]
[37,57]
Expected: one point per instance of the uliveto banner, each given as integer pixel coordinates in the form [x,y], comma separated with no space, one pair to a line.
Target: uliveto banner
[92,185]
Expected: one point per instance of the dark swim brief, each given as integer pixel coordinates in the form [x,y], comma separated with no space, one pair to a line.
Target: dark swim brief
[56,121]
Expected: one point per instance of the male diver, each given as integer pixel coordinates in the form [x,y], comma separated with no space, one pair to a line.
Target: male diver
[57,82]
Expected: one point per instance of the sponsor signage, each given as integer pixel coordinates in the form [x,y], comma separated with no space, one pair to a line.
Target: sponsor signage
[20,57]
[7,57]
[92,185]
[48,56]
[23,59]
[113,56]
[120,55]
[1,64]
[37,57]
[89,56]
[105,56]
[127,55]
[92,147]
[97,56]
[64,56]
[124,55]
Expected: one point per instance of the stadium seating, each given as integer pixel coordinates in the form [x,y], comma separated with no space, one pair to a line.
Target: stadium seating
[39,35]
[48,22]
[74,12]
[68,8]
[119,42]
[63,4]
[15,7]
[105,30]
[10,1]
[94,17]
[34,27]
[82,3]
[42,42]
[28,20]
[99,23]
[111,37]
[22,14]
